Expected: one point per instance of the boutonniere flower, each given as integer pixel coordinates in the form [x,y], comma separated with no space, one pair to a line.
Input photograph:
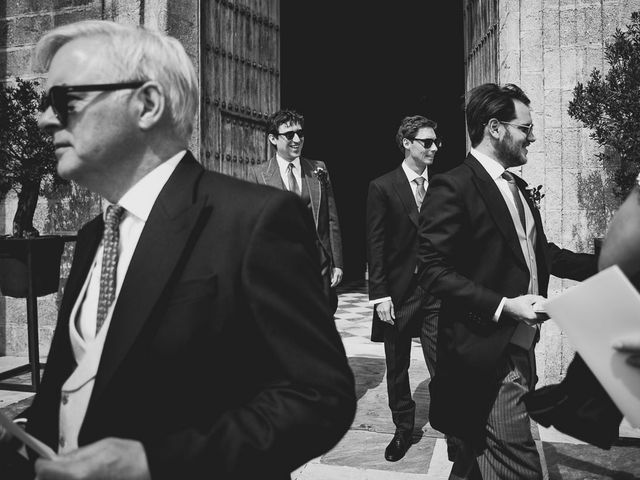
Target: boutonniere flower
[535,195]
[321,174]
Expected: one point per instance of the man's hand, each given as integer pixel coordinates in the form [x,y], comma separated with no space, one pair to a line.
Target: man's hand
[521,308]
[336,276]
[630,344]
[386,312]
[111,458]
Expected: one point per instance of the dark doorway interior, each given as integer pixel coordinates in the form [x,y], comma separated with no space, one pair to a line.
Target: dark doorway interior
[355,69]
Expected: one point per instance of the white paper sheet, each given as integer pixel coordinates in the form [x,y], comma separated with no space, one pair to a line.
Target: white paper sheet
[36,445]
[595,313]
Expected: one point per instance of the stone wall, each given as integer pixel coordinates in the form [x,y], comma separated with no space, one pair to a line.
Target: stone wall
[546,47]
[22,22]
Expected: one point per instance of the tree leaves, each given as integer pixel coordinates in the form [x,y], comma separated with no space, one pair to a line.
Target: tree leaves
[610,104]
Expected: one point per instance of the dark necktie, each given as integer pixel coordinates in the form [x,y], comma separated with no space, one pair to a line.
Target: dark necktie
[291,179]
[420,191]
[110,240]
[516,197]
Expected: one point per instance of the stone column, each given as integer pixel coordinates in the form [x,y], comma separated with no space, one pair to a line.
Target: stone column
[546,47]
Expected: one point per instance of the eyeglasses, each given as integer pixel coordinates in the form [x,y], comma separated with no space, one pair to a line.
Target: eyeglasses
[58,96]
[291,134]
[428,142]
[526,129]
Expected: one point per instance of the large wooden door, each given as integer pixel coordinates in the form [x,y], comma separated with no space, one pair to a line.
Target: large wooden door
[240,80]
[480,42]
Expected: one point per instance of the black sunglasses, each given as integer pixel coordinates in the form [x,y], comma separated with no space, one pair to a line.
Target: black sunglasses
[428,142]
[291,134]
[58,96]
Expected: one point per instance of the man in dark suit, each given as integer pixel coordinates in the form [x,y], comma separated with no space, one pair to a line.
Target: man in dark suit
[484,253]
[193,338]
[402,310]
[287,170]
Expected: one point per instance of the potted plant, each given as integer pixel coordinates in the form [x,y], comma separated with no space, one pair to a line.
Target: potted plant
[27,166]
[610,106]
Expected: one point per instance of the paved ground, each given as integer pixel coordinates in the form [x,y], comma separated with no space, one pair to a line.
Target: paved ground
[360,454]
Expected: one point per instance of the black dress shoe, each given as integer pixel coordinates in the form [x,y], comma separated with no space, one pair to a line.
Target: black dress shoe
[398,447]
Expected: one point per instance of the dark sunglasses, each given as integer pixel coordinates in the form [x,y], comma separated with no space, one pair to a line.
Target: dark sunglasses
[289,135]
[428,142]
[58,96]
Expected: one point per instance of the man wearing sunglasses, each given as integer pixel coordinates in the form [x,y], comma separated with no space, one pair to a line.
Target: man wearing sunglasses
[483,251]
[402,310]
[288,170]
[193,338]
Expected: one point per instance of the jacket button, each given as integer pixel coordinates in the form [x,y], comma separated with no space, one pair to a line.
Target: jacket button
[65,399]
[62,442]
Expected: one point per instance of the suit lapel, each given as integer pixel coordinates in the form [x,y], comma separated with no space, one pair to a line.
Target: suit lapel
[403,189]
[170,225]
[271,175]
[496,207]
[315,192]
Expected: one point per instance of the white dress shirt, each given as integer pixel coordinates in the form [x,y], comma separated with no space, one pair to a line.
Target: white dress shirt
[283,165]
[87,346]
[411,176]
[526,239]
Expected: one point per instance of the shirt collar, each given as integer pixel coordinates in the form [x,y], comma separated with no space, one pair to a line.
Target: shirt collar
[283,164]
[140,198]
[411,175]
[493,168]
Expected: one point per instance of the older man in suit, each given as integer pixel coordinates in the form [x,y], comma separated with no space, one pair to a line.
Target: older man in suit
[288,170]
[483,251]
[193,338]
[402,310]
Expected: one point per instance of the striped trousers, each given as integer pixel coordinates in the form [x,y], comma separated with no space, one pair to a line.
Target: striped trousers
[416,316]
[510,452]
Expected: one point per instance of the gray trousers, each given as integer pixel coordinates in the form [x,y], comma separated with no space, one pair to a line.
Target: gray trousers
[418,309]
[510,452]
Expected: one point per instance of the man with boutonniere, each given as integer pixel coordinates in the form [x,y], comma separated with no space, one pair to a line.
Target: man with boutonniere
[288,170]
[483,252]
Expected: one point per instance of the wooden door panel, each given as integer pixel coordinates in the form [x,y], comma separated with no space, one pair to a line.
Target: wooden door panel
[240,81]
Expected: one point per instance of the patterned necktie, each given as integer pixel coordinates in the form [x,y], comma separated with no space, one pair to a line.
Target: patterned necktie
[420,191]
[110,240]
[516,196]
[291,179]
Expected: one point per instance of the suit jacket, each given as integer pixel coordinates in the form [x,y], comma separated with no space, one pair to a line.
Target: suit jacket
[392,243]
[208,361]
[471,258]
[323,205]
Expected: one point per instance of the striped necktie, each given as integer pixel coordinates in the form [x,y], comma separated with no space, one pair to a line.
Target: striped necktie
[420,191]
[516,197]
[291,179]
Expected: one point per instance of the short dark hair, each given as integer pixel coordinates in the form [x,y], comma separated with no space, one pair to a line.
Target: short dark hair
[488,101]
[281,117]
[409,128]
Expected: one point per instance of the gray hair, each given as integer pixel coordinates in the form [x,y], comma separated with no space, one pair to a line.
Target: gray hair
[136,53]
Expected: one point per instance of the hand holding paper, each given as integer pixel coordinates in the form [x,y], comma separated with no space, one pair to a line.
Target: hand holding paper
[630,344]
[596,315]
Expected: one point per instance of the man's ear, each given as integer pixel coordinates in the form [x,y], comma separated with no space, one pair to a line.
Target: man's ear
[152,104]
[406,143]
[272,139]
[493,127]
